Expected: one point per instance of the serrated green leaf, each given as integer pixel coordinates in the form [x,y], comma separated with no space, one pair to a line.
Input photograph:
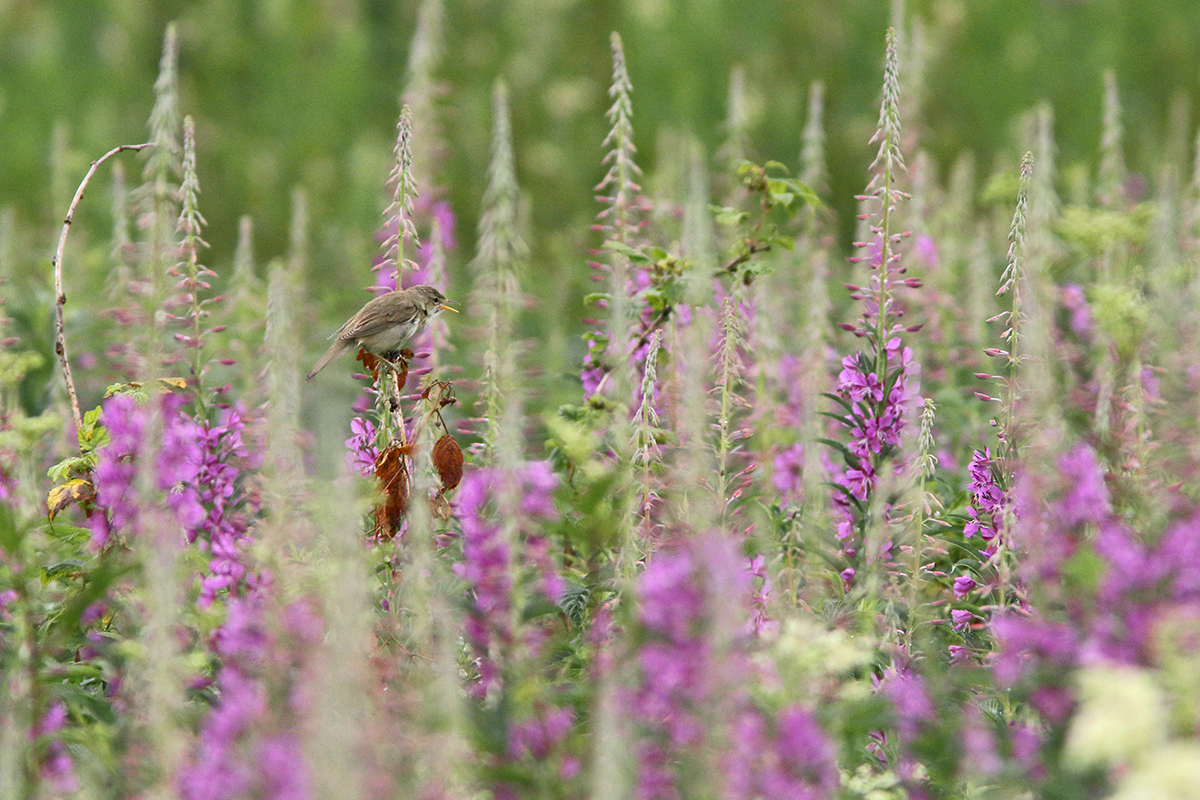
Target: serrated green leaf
[67,533]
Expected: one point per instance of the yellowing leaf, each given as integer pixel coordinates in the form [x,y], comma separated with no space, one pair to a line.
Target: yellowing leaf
[75,490]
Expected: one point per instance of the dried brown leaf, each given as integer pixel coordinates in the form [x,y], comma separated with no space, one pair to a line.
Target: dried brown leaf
[448,459]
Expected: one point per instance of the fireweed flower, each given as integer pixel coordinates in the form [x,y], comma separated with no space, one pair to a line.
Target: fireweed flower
[987,500]
[788,756]
[693,675]
[760,577]
[877,387]
[361,450]
[245,746]
[787,461]
[961,618]
[787,477]
[225,528]
[1086,497]
[1024,642]
[539,739]
[1141,586]
[116,471]
[180,460]
[486,559]
[674,683]
[1076,303]
[910,699]
[57,768]
[197,470]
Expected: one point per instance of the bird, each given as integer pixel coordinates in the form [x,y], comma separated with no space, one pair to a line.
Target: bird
[385,323]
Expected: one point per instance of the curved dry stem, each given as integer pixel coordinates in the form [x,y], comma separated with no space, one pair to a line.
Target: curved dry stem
[60,299]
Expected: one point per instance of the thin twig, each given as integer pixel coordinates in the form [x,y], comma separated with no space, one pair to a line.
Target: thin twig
[60,299]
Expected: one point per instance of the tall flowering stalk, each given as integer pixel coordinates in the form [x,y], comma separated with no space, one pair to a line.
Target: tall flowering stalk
[488,558]
[1014,281]
[398,216]
[207,496]
[501,253]
[250,743]
[619,221]
[987,508]
[156,197]
[697,723]
[392,465]
[647,431]
[198,465]
[809,374]
[1110,180]
[992,509]
[421,88]
[876,385]
[728,370]
[680,598]
[192,276]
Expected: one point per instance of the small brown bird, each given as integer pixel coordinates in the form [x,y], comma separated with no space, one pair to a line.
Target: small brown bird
[383,325]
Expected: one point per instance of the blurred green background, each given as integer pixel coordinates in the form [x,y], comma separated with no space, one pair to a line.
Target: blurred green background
[304,93]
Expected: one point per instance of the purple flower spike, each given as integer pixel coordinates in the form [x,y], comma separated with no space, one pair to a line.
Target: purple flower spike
[115,469]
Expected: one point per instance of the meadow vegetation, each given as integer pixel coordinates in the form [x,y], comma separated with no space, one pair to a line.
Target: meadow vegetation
[919,522]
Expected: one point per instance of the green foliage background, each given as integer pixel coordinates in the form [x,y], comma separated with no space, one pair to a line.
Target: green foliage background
[304,93]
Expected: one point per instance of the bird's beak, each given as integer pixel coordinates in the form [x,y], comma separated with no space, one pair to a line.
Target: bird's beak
[447,308]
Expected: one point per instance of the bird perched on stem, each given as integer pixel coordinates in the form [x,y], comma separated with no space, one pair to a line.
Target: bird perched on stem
[384,324]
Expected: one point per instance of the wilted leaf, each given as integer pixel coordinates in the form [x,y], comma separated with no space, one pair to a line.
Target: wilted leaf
[368,359]
[441,507]
[392,472]
[448,459]
[75,491]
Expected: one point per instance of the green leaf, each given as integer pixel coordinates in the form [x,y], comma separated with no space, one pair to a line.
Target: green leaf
[64,568]
[729,216]
[849,495]
[841,418]
[82,703]
[68,468]
[620,248]
[841,401]
[67,533]
[851,459]
[786,242]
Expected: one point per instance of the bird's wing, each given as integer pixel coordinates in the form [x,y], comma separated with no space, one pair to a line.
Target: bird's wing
[375,317]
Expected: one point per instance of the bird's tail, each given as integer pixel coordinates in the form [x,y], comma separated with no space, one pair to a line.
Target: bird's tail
[335,350]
